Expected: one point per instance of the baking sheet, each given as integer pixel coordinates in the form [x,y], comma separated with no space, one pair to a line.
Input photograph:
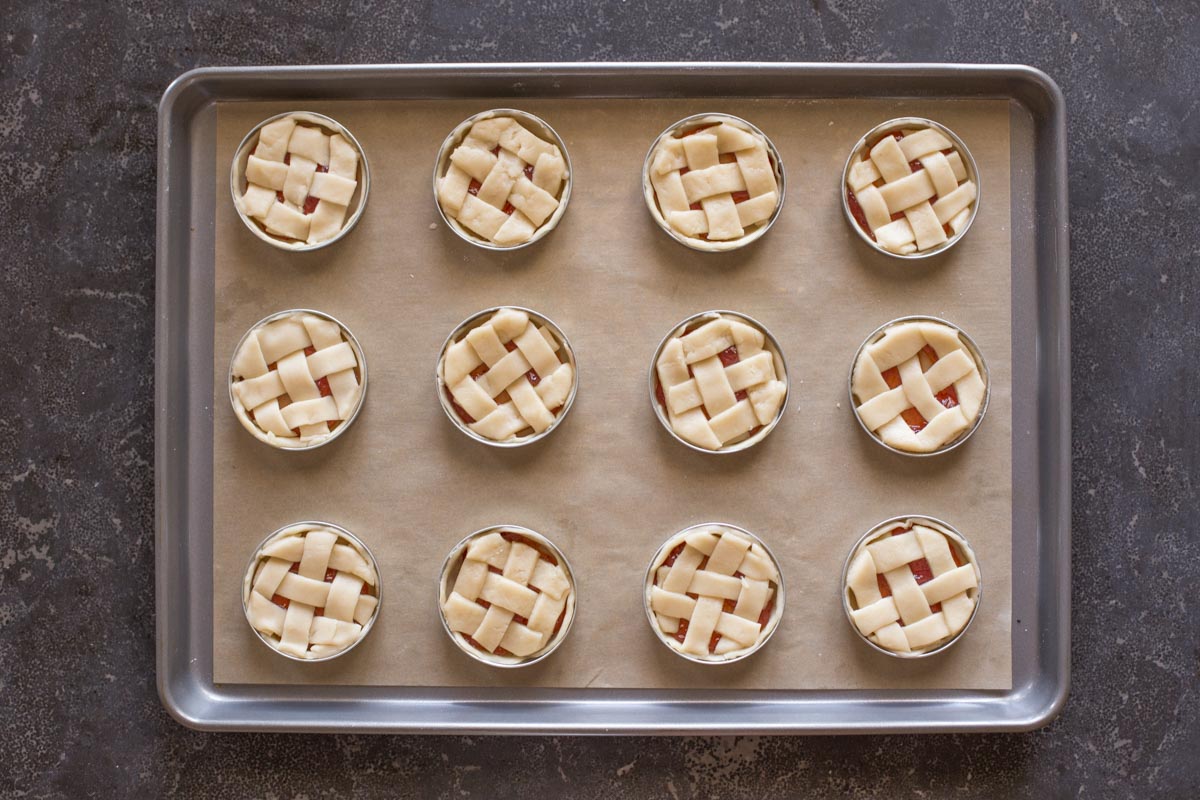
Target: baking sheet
[610,485]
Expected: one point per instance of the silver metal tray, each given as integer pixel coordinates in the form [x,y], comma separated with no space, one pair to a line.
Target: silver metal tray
[184,421]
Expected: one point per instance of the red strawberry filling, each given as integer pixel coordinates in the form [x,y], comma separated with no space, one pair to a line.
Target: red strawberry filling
[856,209]
[948,397]
[920,570]
[546,555]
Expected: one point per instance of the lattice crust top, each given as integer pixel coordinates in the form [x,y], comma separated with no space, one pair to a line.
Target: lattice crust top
[918,387]
[511,597]
[719,383]
[295,380]
[310,591]
[714,594]
[714,182]
[911,190]
[507,377]
[503,183]
[911,587]
[300,181]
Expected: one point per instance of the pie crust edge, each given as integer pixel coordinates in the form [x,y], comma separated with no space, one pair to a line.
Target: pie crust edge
[702,245]
[674,645]
[449,573]
[238,183]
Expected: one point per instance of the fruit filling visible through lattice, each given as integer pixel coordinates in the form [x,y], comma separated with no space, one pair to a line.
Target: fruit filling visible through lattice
[919,387]
[714,593]
[300,181]
[296,379]
[718,383]
[311,593]
[508,377]
[714,181]
[911,191]
[511,595]
[911,588]
[503,182]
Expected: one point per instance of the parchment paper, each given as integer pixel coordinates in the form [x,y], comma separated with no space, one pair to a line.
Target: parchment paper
[610,485]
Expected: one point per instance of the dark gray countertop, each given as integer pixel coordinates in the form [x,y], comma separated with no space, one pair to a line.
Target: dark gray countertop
[77,154]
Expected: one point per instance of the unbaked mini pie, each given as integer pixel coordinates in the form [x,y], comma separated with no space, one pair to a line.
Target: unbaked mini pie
[311,591]
[910,187]
[502,179]
[300,180]
[507,596]
[919,385]
[713,182]
[718,382]
[911,586]
[297,379]
[713,593]
[507,376]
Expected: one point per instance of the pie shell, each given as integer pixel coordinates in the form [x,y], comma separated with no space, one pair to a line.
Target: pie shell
[860,147]
[449,573]
[772,346]
[537,126]
[883,529]
[329,126]
[661,555]
[278,442]
[972,348]
[465,327]
[702,245]
[344,536]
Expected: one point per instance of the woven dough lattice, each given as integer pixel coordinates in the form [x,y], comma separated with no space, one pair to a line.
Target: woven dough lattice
[910,589]
[912,190]
[918,387]
[506,378]
[719,383]
[503,182]
[714,593]
[715,181]
[295,380]
[510,596]
[311,592]
[300,181]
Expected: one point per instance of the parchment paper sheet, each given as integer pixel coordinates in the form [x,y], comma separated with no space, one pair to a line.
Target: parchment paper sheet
[610,485]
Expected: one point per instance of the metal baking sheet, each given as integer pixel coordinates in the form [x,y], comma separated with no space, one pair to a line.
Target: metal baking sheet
[1040,625]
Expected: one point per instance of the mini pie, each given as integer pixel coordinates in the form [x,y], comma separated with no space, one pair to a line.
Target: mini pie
[912,585]
[910,187]
[311,591]
[297,379]
[300,180]
[507,596]
[720,382]
[507,376]
[502,182]
[918,386]
[713,593]
[713,181]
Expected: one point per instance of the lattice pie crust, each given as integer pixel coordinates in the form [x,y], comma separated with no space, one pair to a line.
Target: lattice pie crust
[918,387]
[713,181]
[911,190]
[720,381]
[912,586]
[296,379]
[300,180]
[311,591]
[507,596]
[508,377]
[503,183]
[713,593]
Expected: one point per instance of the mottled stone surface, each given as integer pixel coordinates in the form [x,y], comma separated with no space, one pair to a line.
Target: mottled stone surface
[79,83]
